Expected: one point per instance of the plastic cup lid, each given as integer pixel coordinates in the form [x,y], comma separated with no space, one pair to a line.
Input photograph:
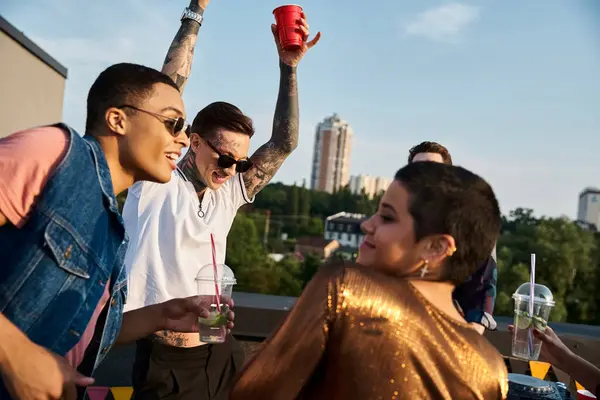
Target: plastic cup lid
[225,279]
[536,300]
[207,273]
[541,294]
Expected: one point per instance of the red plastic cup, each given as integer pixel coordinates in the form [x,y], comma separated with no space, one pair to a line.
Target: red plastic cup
[288,28]
[585,395]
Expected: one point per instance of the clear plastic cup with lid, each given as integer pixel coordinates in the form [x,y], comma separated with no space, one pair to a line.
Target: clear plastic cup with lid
[524,344]
[217,291]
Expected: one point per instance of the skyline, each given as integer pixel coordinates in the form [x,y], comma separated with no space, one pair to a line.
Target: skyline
[512,92]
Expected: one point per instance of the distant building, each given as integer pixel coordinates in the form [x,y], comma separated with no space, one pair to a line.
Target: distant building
[331,155]
[323,247]
[32,83]
[371,185]
[345,228]
[589,207]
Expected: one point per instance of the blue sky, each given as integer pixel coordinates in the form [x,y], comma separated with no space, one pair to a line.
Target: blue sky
[512,88]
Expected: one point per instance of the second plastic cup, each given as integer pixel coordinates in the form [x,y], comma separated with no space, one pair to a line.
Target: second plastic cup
[524,323]
[287,17]
[213,329]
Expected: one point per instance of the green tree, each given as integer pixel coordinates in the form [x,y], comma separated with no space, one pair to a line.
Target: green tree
[274,197]
[363,204]
[255,271]
[311,227]
[320,204]
[295,200]
[566,262]
[246,256]
[295,203]
[305,202]
[288,271]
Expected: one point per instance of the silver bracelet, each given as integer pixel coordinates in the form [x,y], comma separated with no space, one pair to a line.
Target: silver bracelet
[194,16]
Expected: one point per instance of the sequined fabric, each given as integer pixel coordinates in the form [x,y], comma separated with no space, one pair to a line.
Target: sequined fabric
[358,334]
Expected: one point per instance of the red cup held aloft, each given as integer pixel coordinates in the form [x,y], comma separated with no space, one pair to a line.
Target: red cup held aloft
[585,395]
[288,27]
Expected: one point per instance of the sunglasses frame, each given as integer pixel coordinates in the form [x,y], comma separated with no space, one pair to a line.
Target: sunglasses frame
[170,123]
[226,161]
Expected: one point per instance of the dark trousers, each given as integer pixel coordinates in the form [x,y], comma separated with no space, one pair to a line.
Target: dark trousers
[177,373]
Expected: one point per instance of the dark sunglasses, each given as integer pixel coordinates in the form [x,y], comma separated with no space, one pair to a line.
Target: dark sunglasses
[226,161]
[174,125]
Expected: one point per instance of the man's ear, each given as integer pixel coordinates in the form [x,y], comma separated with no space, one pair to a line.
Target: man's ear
[116,120]
[196,142]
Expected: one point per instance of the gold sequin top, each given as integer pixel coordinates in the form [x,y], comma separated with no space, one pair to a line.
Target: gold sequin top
[358,334]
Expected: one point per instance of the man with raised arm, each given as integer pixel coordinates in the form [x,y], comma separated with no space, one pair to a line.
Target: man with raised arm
[170,225]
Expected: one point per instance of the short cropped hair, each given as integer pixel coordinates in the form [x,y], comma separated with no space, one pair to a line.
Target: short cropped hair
[450,200]
[221,115]
[118,85]
[430,147]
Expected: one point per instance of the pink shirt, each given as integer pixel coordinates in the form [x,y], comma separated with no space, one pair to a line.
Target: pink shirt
[27,160]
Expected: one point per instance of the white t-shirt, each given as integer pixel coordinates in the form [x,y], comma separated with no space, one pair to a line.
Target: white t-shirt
[169,241]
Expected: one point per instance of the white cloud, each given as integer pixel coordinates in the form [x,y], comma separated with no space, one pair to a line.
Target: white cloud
[444,23]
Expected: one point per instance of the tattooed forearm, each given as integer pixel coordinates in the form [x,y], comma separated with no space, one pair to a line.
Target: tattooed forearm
[178,62]
[188,167]
[284,139]
[285,122]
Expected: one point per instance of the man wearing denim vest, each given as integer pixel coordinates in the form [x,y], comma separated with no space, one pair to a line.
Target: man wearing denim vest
[62,240]
[475,299]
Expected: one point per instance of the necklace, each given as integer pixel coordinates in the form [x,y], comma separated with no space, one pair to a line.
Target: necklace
[200,212]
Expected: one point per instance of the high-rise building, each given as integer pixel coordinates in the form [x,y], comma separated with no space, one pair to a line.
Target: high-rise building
[371,185]
[331,155]
[589,207]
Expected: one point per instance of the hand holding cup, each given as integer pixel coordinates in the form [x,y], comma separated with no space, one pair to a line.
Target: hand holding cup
[291,33]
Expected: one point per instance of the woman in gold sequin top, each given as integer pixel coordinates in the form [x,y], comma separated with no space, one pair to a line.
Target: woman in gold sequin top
[387,328]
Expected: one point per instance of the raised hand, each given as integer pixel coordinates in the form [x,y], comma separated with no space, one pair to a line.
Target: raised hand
[293,57]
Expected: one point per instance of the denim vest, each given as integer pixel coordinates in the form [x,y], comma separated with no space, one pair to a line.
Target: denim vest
[54,269]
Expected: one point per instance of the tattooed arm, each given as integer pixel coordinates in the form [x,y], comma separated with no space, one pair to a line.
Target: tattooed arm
[284,139]
[178,62]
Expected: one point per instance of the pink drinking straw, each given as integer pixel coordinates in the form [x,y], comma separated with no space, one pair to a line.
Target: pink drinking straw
[215,273]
